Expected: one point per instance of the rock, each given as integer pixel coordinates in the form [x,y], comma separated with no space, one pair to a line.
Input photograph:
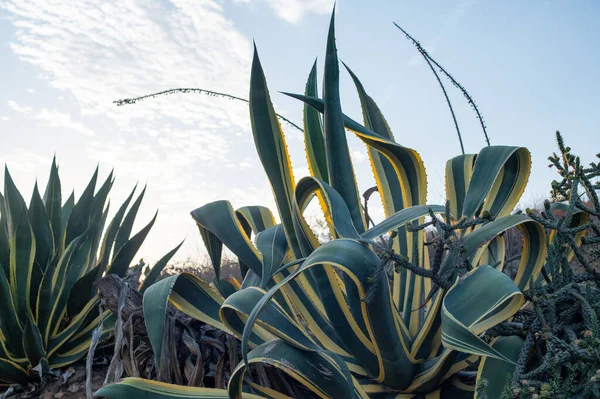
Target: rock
[74,388]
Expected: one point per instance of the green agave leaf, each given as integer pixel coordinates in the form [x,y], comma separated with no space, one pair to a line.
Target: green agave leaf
[339,165]
[22,249]
[254,219]
[337,212]
[76,324]
[157,269]
[395,191]
[269,393]
[44,243]
[219,218]
[389,183]
[251,280]
[77,347]
[11,372]
[273,246]
[65,214]
[392,365]
[459,171]
[454,388]
[14,204]
[406,161]
[42,230]
[98,216]
[273,318]
[214,246]
[336,207]
[534,248]
[79,218]
[463,319]
[33,346]
[125,255]
[99,201]
[499,178]
[124,231]
[409,166]
[57,283]
[190,295]
[53,202]
[494,372]
[111,233]
[4,245]
[324,374]
[146,389]
[83,291]
[67,278]
[10,327]
[272,149]
[400,219]
[314,140]
[258,218]
[228,286]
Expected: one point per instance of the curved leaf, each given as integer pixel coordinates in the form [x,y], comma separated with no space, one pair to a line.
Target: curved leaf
[272,148]
[146,389]
[314,141]
[219,218]
[322,373]
[384,350]
[157,269]
[463,319]
[499,178]
[493,374]
[273,245]
[122,260]
[339,165]
[53,202]
[190,295]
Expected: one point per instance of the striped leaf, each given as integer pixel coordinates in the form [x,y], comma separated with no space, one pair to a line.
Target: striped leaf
[494,373]
[314,141]
[272,148]
[157,269]
[463,320]
[339,165]
[324,374]
[49,265]
[146,389]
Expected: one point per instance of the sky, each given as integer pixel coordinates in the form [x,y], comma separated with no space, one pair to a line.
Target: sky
[532,68]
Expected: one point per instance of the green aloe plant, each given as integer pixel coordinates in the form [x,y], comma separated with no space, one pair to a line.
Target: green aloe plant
[51,254]
[330,316]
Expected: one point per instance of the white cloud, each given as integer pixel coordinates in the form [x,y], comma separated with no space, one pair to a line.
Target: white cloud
[19,108]
[292,11]
[452,19]
[57,119]
[4,118]
[51,118]
[94,52]
[358,155]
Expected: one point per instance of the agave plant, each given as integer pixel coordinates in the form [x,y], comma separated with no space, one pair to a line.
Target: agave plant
[52,252]
[329,315]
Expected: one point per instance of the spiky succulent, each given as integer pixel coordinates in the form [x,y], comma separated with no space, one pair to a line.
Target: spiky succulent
[51,254]
[328,315]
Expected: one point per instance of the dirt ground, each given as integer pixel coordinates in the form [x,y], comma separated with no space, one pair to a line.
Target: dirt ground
[72,388]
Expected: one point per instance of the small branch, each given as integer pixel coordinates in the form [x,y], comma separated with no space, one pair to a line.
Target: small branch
[454,81]
[129,101]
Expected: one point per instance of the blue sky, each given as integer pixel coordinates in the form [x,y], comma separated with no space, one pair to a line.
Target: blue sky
[531,66]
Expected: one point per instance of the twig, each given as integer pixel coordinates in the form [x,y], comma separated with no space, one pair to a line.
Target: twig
[129,101]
